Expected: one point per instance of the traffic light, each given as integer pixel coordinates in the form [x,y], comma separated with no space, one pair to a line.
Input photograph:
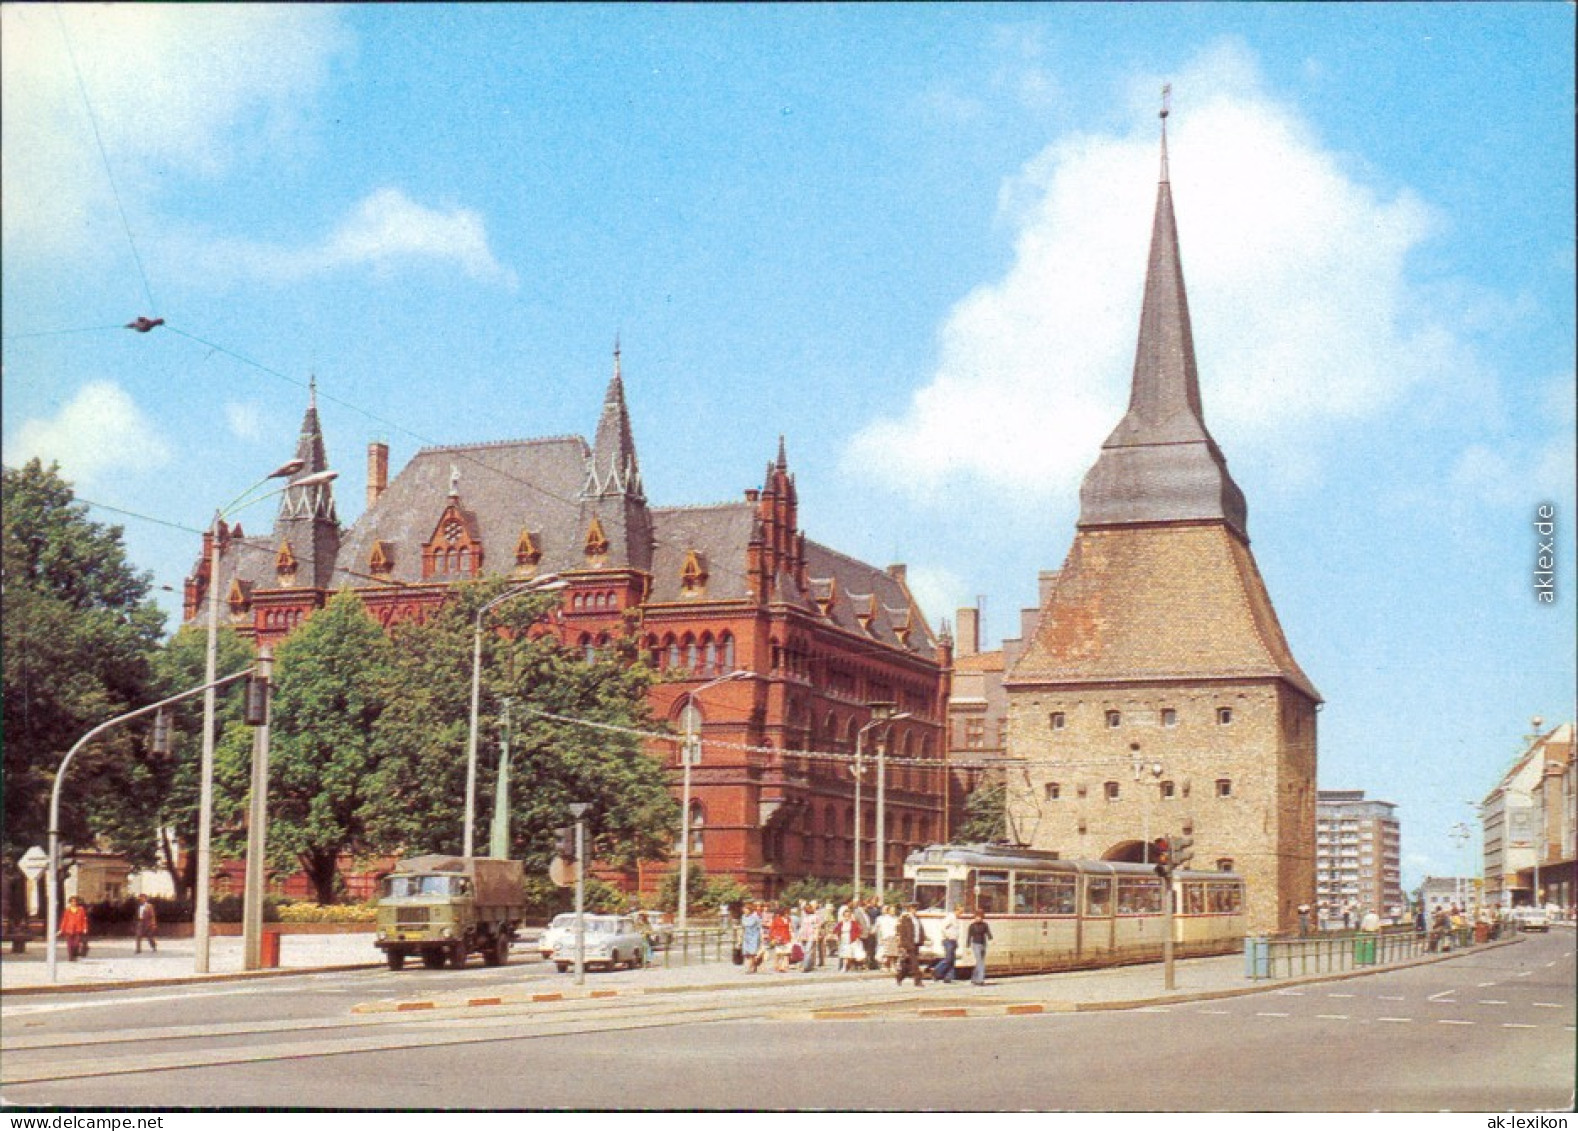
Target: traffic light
[1162,853]
[1183,851]
[256,709]
[566,844]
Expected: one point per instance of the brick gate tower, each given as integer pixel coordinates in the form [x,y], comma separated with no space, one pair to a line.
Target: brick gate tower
[1158,694]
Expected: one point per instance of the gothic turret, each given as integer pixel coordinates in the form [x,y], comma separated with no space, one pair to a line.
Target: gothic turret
[614,514]
[307,529]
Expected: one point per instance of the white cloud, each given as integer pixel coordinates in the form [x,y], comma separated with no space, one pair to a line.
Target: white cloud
[245,420]
[938,591]
[173,87]
[1302,311]
[385,230]
[99,430]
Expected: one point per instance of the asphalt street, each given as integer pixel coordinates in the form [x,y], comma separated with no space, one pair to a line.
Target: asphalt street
[1489,1030]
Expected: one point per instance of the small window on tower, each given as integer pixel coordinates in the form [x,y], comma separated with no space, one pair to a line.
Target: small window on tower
[1224,716]
[1111,790]
[1053,790]
[1224,787]
[1059,720]
[1114,719]
[1169,717]
[1168,790]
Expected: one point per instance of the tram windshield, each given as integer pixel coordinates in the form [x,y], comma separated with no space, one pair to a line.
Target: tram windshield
[991,892]
[931,890]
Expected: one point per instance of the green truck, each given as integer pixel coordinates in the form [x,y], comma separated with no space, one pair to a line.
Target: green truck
[446,908]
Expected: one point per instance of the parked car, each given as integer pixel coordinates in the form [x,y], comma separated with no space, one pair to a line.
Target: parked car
[562,927]
[611,940]
[1531,919]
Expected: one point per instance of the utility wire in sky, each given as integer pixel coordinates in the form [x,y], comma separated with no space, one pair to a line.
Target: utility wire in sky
[104,155]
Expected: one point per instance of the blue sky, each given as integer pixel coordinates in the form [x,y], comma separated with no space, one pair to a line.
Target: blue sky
[911,239]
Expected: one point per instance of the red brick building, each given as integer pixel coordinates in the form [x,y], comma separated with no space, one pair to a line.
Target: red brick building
[706,590]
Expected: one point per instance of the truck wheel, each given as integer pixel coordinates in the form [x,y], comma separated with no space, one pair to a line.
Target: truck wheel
[564,967]
[433,959]
[497,951]
[395,958]
[457,955]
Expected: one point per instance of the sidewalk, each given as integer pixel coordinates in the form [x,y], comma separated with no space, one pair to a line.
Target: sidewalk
[114,962]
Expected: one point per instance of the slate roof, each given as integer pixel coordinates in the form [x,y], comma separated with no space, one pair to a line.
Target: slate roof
[1143,604]
[506,487]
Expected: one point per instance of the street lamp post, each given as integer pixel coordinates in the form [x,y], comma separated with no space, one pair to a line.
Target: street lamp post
[882,713]
[52,892]
[205,802]
[578,811]
[257,833]
[1460,833]
[881,849]
[545,584]
[690,753]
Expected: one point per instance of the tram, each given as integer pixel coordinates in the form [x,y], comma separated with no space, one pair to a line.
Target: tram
[1048,913]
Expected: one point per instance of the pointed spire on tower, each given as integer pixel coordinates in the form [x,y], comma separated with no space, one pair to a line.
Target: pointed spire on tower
[1160,463]
[783,459]
[612,492]
[1167,97]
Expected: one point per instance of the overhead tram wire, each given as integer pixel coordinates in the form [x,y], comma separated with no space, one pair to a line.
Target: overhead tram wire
[109,173]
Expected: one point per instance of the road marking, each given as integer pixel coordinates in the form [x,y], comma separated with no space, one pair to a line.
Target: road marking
[1491,1001]
[1446,1022]
[1384,997]
[1482,985]
[1547,1005]
[1442,994]
[1514,1025]
[1290,993]
[1331,1017]
[1397,1020]
[1342,995]
[1217,1012]
[1271,1015]
[1524,973]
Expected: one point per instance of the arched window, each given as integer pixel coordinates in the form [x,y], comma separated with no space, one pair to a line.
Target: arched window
[465,559]
[690,652]
[673,653]
[728,652]
[711,662]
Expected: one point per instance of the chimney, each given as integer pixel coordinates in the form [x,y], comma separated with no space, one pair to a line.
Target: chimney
[967,641]
[377,471]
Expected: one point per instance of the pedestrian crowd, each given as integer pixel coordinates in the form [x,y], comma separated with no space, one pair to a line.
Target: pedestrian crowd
[857,935]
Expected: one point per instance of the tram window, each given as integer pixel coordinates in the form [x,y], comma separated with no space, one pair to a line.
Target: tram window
[1098,896]
[1223,898]
[1194,899]
[991,892]
[1045,895]
[931,894]
[1139,895]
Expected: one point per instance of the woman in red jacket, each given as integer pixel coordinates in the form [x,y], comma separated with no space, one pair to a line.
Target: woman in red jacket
[74,925]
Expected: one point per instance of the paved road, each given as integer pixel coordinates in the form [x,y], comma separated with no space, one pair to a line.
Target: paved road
[1490,1030]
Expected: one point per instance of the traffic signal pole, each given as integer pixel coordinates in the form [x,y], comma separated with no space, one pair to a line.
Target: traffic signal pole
[1168,894]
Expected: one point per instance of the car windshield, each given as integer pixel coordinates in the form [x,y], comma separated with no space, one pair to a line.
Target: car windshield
[400,887]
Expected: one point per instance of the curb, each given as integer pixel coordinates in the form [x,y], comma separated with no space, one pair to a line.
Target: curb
[186,980]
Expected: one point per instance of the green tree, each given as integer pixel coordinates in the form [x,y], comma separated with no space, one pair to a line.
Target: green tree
[180,666]
[985,814]
[78,634]
[423,736]
[332,680]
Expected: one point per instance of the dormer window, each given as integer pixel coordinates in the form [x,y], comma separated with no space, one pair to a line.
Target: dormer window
[527,551]
[454,548]
[240,599]
[285,565]
[693,575]
[596,548]
[380,563]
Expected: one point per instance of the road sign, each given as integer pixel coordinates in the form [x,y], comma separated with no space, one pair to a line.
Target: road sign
[33,862]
